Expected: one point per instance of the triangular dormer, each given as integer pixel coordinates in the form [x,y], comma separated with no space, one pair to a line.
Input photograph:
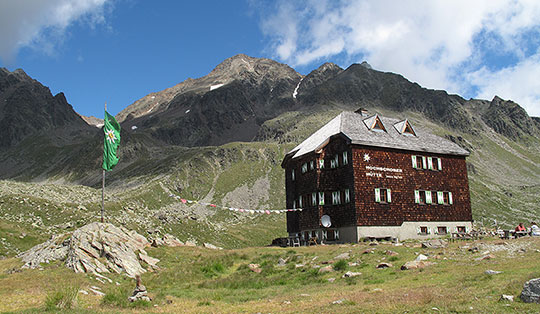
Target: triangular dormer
[405,128]
[374,123]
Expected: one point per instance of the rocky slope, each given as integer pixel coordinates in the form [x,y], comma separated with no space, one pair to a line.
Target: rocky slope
[28,108]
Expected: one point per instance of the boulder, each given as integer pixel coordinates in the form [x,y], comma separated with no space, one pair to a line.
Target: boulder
[345,255]
[326,269]
[416,264]
[170,240]
[531,291]
[506,297]
[255,268]
[435,244]
[139,293]
[391,253]
[492,272]
[94,248]
[211,246]
[421,257]
[384,265]
[350,274]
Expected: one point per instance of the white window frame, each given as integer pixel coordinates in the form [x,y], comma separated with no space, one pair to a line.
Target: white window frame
[314,198]
[345,158]
[321,163]
[347,196]
[311,165]
[321,198]
[304,167]
[430,163]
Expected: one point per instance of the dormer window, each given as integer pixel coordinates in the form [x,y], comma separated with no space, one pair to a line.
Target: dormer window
[374,123]
[405,128]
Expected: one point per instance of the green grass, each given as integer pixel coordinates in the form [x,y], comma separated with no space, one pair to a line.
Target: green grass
[194,280]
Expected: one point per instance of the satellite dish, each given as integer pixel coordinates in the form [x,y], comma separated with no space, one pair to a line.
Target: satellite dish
[325,221]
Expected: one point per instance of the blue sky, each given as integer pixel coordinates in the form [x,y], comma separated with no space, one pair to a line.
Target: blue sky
[117,51]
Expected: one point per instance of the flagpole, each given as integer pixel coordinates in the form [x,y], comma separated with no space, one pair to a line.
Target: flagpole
[103,185]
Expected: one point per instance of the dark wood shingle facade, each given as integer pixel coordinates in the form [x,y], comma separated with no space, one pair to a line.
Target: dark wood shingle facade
[376,177]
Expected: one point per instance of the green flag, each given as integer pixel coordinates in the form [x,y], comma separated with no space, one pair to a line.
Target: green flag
[111,142]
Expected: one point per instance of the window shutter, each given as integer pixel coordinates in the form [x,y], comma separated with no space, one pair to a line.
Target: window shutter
[300,201]
[314,198]
[324,235]
[347,196]
[424,163]
[292,174]
[345,159]
[377,195]
[467,229]
[311,165]
[450,197]
[440,199]
[428,230]
[337,234]
[428,197]
[439,164]
[413,161]
[418,230]
[388,196]
[321,198]
[294,204]
[430,163]
[321,163]
[336,159]
[416,196]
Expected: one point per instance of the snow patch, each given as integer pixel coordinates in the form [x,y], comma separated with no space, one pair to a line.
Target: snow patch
[296,89]
[187,111]
[216,86]
[134,127]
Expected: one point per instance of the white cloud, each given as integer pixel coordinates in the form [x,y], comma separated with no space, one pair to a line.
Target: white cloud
[520,83]
[435,43]
[42,24]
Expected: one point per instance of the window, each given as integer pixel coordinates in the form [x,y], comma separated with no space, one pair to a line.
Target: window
[461,229]
[441,230]
[304,167]
[383,196]
[321,198]
[292,175]
[336,198]
[345,158]
[314,234]
[428,197]
[419,197]
[430,163]
[417,162]
[423,230]
[321,163]
[347,196]
[334,162]
[434,197]
[311,165]
[314,198]
[447,198]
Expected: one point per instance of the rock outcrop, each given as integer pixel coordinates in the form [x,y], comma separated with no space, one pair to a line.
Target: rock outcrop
[94,248]
[531,291]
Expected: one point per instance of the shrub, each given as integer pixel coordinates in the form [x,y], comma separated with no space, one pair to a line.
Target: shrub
[61,299]
[340,265]
[213,270]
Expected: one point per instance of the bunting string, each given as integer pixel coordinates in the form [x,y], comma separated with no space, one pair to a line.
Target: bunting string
[240,210]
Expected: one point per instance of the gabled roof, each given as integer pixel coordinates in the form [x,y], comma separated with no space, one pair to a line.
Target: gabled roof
[352,125]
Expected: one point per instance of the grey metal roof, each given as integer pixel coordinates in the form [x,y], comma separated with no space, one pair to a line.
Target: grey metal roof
[352,125]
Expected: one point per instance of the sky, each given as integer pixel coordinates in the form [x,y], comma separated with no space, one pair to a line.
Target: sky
[117,51]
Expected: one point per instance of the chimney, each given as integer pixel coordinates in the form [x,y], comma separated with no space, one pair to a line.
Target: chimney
[362,111]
